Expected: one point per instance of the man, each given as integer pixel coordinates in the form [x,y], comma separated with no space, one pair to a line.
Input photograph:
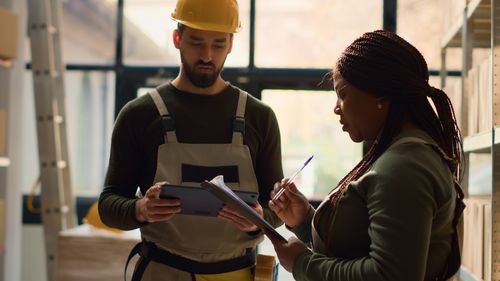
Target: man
[194,126]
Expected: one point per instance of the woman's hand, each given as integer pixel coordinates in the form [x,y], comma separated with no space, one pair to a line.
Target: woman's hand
[287,251]
[291,207]
[240,221]
[152,208]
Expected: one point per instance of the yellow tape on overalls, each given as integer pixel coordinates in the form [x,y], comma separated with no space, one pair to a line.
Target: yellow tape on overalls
[243,274]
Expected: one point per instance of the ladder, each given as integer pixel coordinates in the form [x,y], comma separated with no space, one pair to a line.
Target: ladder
[57,201]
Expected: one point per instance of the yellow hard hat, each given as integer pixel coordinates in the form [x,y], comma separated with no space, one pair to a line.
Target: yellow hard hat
[92,218]
[210,15]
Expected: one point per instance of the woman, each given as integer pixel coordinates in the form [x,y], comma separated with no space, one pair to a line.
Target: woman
[394,216]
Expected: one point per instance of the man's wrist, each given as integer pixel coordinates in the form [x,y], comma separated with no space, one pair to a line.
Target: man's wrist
[137,212]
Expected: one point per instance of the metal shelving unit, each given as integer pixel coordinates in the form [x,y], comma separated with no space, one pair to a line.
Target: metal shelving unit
[479,27]
[480,143]
[495,209]
[478,14]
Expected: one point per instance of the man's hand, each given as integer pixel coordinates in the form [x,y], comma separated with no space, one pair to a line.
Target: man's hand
[151,208]
[240,221]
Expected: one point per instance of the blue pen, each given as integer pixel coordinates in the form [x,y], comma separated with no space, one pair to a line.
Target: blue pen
[290,180]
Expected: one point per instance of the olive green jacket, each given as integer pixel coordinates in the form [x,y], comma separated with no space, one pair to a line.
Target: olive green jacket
[393,223]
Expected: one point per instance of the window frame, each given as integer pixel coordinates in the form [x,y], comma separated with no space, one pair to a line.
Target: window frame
[129,79]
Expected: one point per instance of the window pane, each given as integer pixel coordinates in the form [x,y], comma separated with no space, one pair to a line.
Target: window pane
[415,14]
[90,111]
[308,126]
[148,34]
[310,33]
[89,32]
[90,116]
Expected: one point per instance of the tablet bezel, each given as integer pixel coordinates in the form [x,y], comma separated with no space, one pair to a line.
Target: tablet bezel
[199,201]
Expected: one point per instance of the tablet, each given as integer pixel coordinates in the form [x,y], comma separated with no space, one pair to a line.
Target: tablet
[199,201]
[218,188]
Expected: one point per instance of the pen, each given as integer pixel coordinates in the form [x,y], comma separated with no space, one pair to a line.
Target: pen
[278,194]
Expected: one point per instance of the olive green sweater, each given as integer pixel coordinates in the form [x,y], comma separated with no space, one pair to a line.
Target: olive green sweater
[198,119]
[394,223]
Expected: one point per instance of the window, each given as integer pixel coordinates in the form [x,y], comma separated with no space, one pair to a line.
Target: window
[415,13]
[148,34]
[88,32]
[89,97]
[310,33]
[90,114]
[309,126]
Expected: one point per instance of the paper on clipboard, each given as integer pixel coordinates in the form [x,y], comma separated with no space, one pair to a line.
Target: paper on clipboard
[218,188]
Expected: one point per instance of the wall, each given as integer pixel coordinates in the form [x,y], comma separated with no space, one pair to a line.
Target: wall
[18,170]
[33,254]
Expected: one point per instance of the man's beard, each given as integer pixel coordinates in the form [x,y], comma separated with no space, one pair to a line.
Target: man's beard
[201,80]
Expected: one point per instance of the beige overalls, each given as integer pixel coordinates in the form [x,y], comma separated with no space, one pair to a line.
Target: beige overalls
[198,247]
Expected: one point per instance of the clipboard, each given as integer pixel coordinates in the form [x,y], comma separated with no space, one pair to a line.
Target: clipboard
[219,189]
[199,201]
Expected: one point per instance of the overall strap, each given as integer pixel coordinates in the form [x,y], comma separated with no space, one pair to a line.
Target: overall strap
[141,264]
[148,251]
[239,119]
[166,119]
[454,259]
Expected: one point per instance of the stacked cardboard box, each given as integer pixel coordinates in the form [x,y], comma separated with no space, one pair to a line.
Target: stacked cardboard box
[8,34]
[89,254]
[475,253]
[479,97]
[264,271]
[454,91]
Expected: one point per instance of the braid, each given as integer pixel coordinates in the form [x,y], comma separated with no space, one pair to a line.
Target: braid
[452,145]
[385,65]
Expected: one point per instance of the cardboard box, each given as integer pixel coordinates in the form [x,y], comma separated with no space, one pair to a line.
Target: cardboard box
[89,254]
[9,30]
[467,247]
[265,269]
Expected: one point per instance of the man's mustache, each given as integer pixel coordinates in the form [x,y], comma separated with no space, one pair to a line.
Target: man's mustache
[201,63]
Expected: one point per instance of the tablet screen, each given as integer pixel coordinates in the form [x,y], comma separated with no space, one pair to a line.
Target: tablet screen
[199,201]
